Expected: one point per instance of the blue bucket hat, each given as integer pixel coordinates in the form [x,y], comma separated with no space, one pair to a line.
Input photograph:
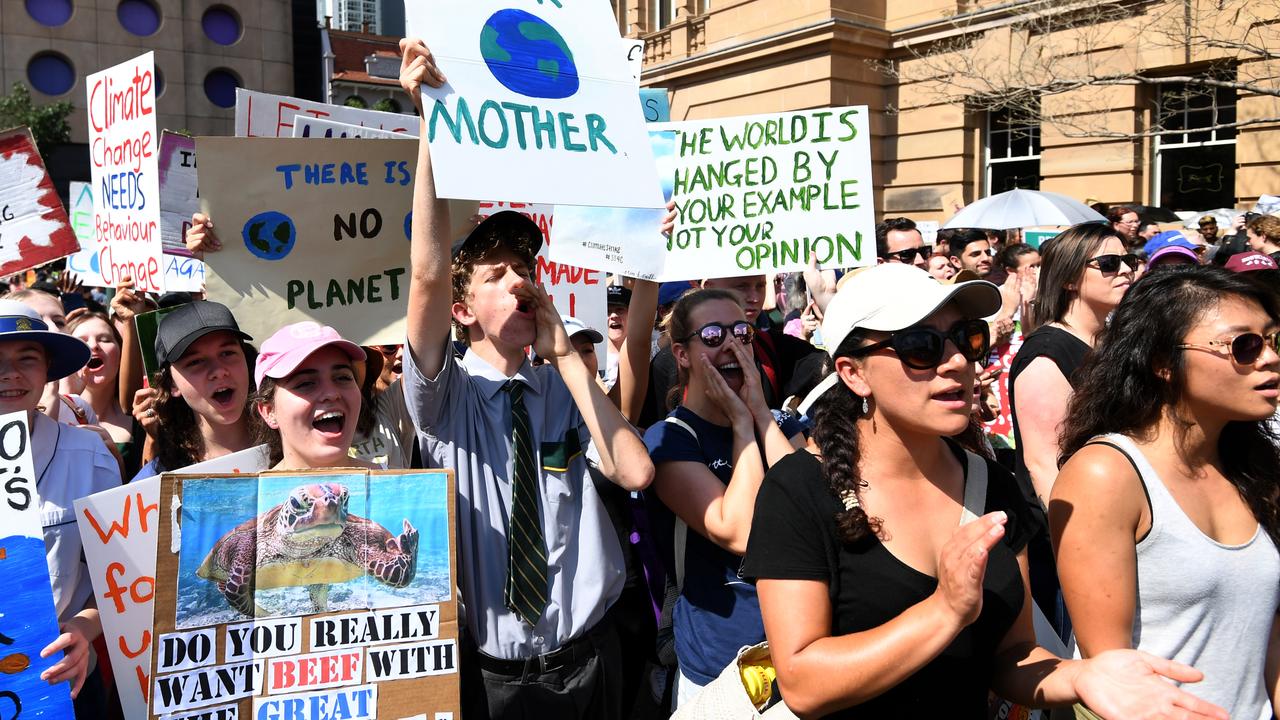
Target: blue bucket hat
[66,354]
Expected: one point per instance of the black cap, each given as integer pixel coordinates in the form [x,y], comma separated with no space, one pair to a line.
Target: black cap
[618,295]
[190,322]
[174,299]
[514,230]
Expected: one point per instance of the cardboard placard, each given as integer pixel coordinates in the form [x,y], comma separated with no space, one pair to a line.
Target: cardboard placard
[313,230]
[28,619]
[119,529]
[146,326]
[540,104]
[84,264]
[179,199]
[350,575]
[260,114]
[123,154]
[309,127]
[655,104]
[34,228]
[760,194]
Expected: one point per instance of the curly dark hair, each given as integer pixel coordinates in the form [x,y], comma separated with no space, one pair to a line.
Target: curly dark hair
[183,444]
[476,249]
[1139,345]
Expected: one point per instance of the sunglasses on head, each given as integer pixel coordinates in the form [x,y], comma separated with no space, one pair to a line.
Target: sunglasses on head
[1244,349]
[1111,263]
[714,334]
[924,348]
[908,255]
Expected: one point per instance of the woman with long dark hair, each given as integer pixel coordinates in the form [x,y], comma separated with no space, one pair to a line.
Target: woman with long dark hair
[890,563]
[1169,495]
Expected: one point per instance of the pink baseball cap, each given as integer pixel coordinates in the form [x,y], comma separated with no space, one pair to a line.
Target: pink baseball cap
[291,345]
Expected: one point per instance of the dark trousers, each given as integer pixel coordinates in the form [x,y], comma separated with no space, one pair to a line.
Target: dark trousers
[589,688]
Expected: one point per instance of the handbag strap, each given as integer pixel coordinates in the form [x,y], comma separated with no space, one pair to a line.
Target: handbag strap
[681,531]
[975,488]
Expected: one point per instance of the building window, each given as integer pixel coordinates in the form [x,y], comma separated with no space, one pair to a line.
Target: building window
[1196,164]
[159,82]
[663,12]
[140,17]
[51,73]
[356,101]
[50,13]
[387,105]
[221,25]
[1012,149]
[220,87]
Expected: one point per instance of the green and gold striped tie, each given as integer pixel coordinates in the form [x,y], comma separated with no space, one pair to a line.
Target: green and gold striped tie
[526,592]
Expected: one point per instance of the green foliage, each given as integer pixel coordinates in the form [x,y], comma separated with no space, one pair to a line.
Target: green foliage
[48,123]
[356,101]
[387,105]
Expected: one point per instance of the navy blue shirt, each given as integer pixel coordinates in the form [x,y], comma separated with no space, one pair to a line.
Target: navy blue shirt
[717,612]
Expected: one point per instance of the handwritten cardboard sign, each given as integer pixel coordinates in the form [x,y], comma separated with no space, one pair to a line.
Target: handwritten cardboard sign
[80,212]
[179,199]
[310,127]
[119,529]
[540,104]
[123,146]
[260,114]
[33,224]
[575,291]
[364,626]
[28,620]
[312,230]
[761,194]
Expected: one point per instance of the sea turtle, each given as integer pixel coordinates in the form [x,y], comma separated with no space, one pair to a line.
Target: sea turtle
[308,540]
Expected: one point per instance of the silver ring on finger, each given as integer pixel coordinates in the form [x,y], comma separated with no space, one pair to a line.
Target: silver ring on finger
[150,412]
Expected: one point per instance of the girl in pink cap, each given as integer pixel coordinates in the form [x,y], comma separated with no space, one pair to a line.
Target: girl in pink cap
[308,398]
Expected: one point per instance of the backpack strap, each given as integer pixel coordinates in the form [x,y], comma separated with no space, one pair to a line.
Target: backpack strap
[681,532]
[81,417]
[975,488]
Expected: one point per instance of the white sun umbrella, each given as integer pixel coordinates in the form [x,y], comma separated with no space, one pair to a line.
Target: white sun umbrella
[1023,209]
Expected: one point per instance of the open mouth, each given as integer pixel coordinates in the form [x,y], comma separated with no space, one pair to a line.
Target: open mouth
[731,372]
[95,363]
[956,395]
[522,306]
[1269,386]
[222,396]
[330,423]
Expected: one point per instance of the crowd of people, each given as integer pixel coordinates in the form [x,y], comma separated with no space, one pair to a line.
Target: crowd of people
[800,462]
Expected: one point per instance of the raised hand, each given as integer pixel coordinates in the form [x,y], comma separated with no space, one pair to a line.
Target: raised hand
[751,394]
[144,411]
[200,238]
[551,341]
[962,565]
[418,66]
[127,302]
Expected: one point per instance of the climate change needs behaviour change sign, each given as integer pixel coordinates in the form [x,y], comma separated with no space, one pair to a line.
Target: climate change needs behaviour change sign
[123,146]
[540,96]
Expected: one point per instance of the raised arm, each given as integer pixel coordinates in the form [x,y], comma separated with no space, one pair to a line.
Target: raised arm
[430,290]
[633,361]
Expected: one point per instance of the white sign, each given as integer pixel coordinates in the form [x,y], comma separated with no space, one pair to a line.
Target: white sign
[310,127]
[761,194]
[119,529]
[84,264]
[123,147]
[540,104]
[264,115]
[179,199]
[575,291]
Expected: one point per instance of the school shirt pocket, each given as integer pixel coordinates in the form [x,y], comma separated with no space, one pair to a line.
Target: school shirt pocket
[558,462]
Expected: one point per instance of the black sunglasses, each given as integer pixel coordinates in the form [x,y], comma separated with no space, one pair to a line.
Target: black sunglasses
[908,255]
[1244,349]
[1111,263]
[714,334]
[923,348]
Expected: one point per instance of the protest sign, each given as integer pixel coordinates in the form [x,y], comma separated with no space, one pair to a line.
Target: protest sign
[84,264]
[28,619]
[123,164]
[309,127]
[574,291]
[763,193]
[361,626]
[540,104]
[656,105]
[312,230]
[633,48]
[179,199]
[1036,238]
[146,326]
[621,240]
[33,224]
[119,529]
[260,114]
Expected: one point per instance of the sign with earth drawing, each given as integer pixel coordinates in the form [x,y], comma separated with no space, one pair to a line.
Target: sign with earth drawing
[312,230]
[540,104]
[306,595]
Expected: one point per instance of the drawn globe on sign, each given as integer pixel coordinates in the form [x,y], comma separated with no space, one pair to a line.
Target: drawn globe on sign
[528,56]
[270,235]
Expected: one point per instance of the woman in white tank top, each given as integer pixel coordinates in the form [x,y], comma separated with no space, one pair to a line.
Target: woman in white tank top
[1166,516]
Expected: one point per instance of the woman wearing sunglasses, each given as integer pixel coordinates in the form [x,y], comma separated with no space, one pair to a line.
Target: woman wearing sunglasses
[1169,495]
[1084,273]
[710,455]
[890,563]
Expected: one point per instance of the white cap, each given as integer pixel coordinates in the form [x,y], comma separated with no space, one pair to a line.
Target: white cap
[892,297]
[574,327]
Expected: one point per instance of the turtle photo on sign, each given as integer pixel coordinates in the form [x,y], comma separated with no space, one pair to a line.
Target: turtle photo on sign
[288,544]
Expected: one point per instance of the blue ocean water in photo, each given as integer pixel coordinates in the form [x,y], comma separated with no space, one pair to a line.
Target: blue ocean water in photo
[213,507]
[28,622]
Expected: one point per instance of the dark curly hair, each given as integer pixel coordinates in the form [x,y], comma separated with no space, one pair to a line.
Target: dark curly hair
[1139,345]
[476,250]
